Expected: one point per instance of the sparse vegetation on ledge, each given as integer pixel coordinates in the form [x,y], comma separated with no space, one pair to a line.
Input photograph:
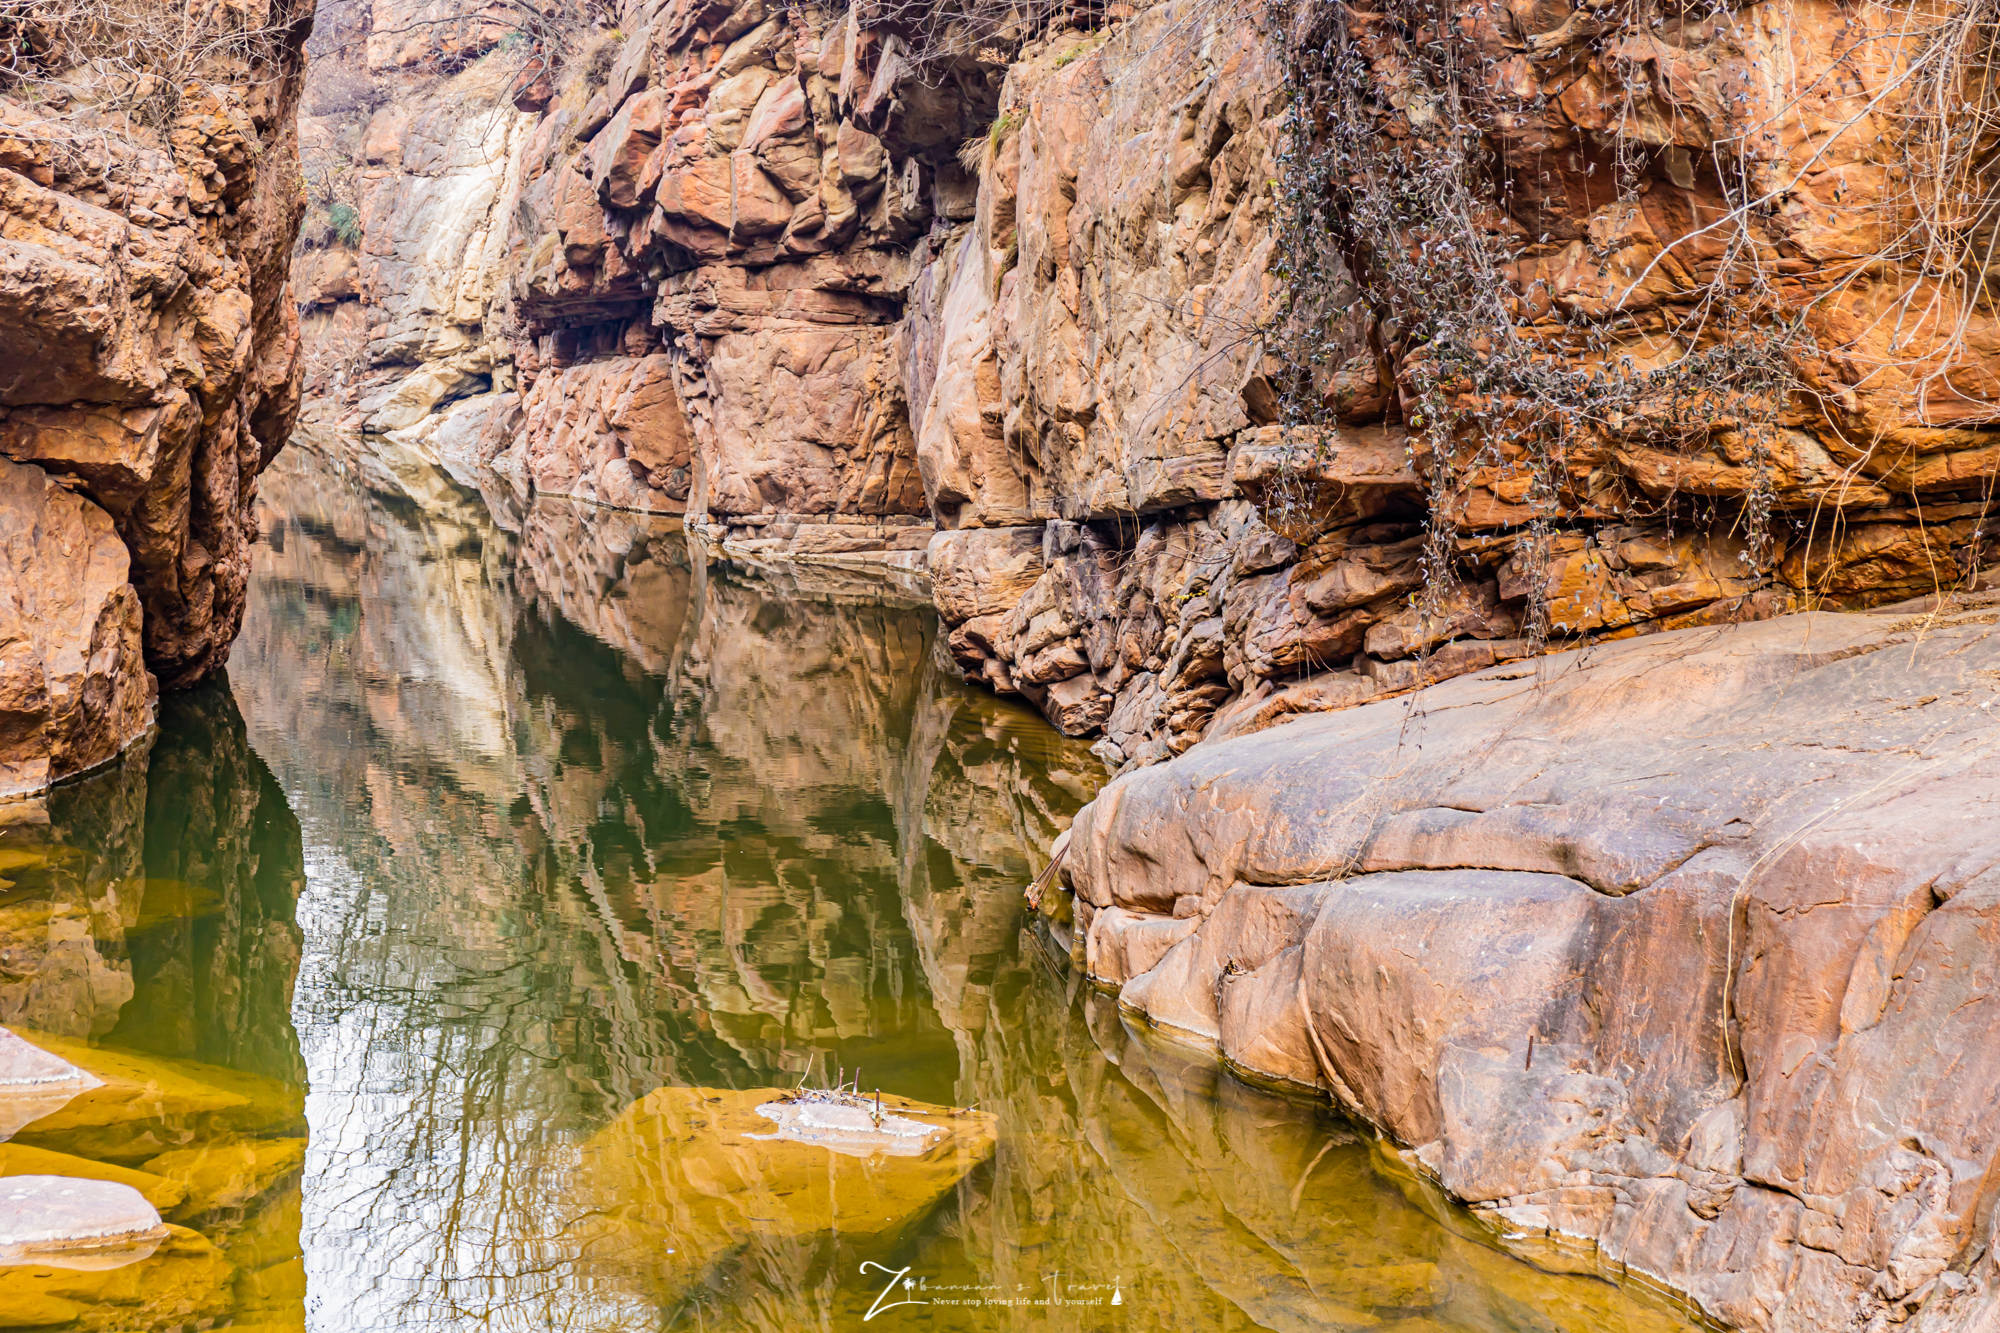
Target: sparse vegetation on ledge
[1596,292]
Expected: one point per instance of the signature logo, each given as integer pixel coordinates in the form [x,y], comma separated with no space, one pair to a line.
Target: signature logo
[900,1283]
[899,1288]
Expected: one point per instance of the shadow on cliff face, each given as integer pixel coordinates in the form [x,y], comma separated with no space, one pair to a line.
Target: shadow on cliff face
[584,818]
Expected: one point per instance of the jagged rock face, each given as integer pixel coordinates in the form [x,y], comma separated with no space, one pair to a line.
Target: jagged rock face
[765,268]
[412,155]
[145,317]
[1898,364]
[1091,347]
[150,347]
[434,181]
[609,431]
[74,689]
[1091,354]
[1681,946]
[739,199]
[707,256]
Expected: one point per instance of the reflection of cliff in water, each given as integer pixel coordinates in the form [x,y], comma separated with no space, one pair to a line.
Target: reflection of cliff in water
[147,934]
[150,906]
[583,818]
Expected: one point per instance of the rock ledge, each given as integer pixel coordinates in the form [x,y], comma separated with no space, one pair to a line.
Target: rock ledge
[1683,946]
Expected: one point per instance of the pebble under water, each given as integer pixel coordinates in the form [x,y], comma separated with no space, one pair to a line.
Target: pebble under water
[441,969]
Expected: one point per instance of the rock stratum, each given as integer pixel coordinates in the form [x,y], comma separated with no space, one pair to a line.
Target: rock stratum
[1681,948]
[148,206]
[849,289]
[845,287]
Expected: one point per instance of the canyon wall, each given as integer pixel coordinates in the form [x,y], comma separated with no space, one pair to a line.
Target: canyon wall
[1678,951]
[1668,947]
[1004,312]
[148,206]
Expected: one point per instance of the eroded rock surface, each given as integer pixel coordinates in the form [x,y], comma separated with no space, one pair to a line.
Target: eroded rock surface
[1006,318]
[1680,946]
[74,689]
[146,224]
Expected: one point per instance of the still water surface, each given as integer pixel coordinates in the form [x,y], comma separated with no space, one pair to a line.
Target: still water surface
[510,816]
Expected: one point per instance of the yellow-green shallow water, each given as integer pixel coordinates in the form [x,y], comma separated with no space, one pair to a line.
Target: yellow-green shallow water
[433,966]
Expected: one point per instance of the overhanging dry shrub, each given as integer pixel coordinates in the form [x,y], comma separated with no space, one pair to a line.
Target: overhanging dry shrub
[939,39]
[546,36]
[1408,188]
[132,66]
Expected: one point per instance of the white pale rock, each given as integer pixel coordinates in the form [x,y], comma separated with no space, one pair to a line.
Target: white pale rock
[72,1223]
[848,1127]
[34,1083]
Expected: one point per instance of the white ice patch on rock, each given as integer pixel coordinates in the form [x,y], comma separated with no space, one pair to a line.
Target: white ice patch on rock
[73,1223]
[23,1065]
[34,1083]
[851,1127]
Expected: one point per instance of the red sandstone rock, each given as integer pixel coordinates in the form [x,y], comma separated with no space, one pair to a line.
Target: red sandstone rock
[1733,884]
[1032,293]
[609,431]
[149,343]
[74,690]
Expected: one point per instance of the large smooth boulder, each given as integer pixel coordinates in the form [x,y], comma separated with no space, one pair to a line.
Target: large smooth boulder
[1681,946]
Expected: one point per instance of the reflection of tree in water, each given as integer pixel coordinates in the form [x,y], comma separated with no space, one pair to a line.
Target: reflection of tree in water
[583,819]
[677,861]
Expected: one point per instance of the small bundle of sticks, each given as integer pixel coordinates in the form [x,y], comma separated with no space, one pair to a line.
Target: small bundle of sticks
[1048,877]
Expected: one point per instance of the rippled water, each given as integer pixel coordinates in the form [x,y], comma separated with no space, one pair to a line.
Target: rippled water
[529,817]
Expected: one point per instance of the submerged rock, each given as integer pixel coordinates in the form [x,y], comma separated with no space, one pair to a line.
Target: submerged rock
[1302,1222]
[143,1105]
[687,1178]
[232,1173]
[18,1159]
[70,1222]
[183,1283]
[1681,946]
[34,1083]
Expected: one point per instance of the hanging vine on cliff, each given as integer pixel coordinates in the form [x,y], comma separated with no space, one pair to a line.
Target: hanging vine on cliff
[1420,148]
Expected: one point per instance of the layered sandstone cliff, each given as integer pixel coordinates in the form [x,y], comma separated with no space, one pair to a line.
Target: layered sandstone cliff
[1008,315]
[148,204]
